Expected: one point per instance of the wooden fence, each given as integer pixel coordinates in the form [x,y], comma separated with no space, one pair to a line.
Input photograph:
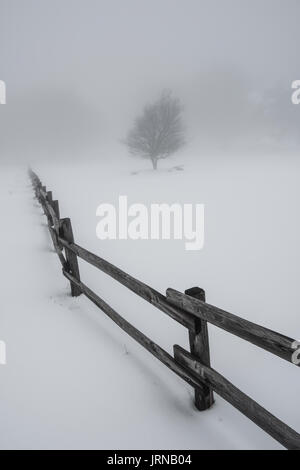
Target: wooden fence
[190,310]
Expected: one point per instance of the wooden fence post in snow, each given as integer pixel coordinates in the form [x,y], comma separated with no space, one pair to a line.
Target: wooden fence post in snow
[199,346]
[66,233]
[49,197]
[56,208]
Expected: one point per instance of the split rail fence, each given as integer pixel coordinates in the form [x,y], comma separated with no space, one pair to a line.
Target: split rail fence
[190,310]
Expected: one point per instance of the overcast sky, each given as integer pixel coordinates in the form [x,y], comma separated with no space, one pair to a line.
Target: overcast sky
[105,58]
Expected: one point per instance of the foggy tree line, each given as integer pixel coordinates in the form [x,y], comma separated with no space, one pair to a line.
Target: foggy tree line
[223,112]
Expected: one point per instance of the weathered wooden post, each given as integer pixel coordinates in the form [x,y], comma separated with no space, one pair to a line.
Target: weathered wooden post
[55,206]
[41,199]
[66,232]
[55,232]
[37,187]
[199,346]
[49,197]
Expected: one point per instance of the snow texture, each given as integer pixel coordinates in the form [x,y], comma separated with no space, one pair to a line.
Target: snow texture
[73,379]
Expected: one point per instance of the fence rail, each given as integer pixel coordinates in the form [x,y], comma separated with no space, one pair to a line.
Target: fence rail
[190,310]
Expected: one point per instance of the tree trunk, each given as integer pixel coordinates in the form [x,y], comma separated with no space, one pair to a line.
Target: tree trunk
[154,163]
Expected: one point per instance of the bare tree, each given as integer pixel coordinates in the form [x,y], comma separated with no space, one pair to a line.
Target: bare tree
[159,131]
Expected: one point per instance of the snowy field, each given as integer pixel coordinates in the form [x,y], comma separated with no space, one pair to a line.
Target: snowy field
[73,379]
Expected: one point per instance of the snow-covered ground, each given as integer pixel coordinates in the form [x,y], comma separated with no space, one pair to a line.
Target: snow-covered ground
[73,379]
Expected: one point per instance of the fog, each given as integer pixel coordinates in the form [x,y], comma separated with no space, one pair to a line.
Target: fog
[77,73]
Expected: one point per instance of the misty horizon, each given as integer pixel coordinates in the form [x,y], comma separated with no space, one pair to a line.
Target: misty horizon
[78,73]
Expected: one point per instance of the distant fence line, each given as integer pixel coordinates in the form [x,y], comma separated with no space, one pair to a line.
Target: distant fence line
[190,310]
